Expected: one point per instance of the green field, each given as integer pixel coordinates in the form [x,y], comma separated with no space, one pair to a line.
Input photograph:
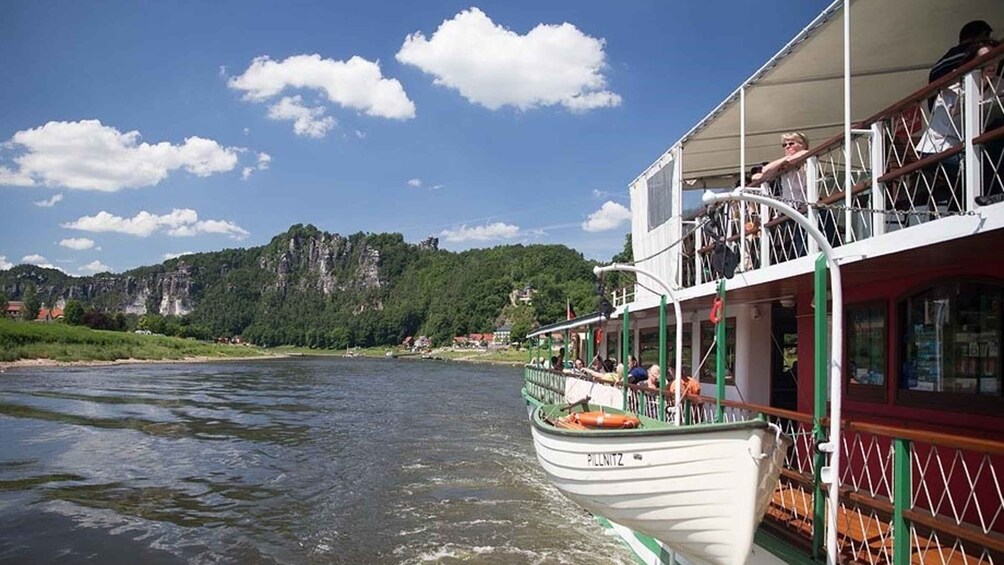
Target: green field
[474,355]
[60,342]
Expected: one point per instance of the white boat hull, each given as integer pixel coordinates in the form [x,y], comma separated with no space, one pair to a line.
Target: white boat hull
[701,490]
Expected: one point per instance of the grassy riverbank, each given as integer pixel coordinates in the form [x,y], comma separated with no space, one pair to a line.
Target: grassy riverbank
[505,356]
[62,343]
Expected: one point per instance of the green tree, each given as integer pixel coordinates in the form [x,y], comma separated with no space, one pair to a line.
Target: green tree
[74,313]
[32,303]
[4,301]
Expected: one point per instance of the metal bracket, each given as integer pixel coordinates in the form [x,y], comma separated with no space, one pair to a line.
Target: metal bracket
[826,475]
[827,447]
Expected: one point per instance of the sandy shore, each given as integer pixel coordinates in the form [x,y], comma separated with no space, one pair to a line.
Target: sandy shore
[28,363]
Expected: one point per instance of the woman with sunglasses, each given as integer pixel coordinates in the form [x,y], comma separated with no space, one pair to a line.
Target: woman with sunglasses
[791,189]
[795,145]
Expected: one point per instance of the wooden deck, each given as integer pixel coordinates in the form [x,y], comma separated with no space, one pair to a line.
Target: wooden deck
[865,534]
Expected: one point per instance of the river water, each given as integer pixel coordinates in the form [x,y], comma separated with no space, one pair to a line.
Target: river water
[303,460]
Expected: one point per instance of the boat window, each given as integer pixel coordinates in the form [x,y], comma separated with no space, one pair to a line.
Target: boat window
[866,348]
[708,374]
[660,196]
[648,345]
[952,339]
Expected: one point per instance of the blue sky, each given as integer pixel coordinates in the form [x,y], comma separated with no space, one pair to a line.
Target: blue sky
[130,132]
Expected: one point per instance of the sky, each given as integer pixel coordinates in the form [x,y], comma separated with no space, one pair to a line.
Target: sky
[132,132]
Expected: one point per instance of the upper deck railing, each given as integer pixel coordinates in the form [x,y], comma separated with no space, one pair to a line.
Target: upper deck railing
[934,154]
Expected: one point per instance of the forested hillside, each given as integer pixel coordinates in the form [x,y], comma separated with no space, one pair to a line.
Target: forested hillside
[312,288]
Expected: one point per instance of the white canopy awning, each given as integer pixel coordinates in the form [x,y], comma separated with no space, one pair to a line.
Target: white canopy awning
[579,322]
[894,43]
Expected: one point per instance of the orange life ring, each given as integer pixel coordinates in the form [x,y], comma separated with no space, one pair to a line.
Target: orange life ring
[716,311]
[606,420]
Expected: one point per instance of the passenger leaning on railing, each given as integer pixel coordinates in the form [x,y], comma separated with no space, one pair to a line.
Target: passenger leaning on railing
[609,376]
[789,188]
[944,130]
[993,118]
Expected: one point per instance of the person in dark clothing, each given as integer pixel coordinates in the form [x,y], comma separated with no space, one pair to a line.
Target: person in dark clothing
[971,33]
[636,374]
[944,130]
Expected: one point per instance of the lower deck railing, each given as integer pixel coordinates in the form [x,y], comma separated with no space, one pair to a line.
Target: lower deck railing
[906,496]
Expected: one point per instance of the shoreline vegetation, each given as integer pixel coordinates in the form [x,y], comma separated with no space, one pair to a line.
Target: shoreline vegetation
[24,344]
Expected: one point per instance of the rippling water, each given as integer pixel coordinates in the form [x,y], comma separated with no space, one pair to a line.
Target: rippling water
[316,460]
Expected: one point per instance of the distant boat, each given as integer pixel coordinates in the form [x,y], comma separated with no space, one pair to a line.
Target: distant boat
[701,489]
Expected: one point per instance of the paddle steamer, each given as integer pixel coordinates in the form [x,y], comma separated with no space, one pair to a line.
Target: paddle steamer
[916,229]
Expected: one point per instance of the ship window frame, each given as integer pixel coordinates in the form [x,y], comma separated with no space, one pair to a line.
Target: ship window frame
[663,195]
[861,391]
[709,358]
[940,400]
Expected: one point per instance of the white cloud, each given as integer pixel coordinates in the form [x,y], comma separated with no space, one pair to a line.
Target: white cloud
[247,131]
[356,84]
[495,67]
[4,265]
[360,134]
[168,256]
[50,202]
[179,223]
[38,261]
[608,217]
[264,161]
[415,183]
[309,122]
[487,232]
[78,243]
[87,155]
[15,178]
[94,267]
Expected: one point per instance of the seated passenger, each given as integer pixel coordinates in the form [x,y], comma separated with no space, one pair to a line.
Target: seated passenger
[688,386]
[577,367]
[608,376]
[654,372]
[636,373]
[597,364]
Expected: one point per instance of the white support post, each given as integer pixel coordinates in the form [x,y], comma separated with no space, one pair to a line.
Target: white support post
[742,136]
[878,169]
[971,129]
[744,263]
[743,259]
[677,188]
[811,167]
[698,239]
[848,193]
[764,237]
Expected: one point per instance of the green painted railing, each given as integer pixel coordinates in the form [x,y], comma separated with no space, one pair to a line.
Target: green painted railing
[907,496]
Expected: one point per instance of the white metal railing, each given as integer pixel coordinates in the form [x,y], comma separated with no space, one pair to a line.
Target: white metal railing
[936,153]
[623,296]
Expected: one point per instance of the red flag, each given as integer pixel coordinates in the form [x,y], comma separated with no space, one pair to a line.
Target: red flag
[570,312]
